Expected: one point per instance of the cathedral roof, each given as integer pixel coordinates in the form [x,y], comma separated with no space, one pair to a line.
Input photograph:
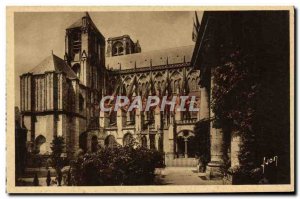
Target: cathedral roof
[151,58]
[53,64]
[77,24]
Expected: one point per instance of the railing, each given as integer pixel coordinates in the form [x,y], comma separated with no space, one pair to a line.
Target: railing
[187,121]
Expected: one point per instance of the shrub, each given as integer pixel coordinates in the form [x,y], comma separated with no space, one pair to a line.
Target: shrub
[126,165]
[57,147]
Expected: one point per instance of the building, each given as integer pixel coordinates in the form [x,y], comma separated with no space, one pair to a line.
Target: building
[264,37]
[60,97]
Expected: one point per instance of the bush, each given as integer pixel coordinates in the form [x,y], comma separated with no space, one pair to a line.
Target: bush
[202,141]
[116,166]
[57,147]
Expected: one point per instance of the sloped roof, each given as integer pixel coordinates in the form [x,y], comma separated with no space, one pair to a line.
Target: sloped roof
[77,24]
[53,64]
[157,57]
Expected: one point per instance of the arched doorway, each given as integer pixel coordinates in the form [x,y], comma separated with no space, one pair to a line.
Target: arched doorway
[185,145]
[83,141]
[110,141]
[127,139]
[94,144]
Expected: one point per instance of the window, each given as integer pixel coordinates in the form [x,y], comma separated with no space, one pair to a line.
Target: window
[76,69]
[118,49]
[128,140]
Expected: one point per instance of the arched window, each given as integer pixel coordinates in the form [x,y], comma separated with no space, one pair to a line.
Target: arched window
[118,49]
[152,141]
[144,141]
[113,118]
[110,141]
[128,139]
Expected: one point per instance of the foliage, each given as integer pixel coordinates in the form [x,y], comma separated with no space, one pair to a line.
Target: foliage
[126,165]
[57,147]
[202,141]
[233,101]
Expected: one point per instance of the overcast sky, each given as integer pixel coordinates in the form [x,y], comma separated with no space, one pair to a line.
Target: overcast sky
[36,34]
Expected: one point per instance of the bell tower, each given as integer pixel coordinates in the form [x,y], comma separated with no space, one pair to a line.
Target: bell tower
[85,54]
[85,51]
[122,45]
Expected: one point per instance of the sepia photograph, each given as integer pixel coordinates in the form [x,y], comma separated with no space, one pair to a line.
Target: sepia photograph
[150,100]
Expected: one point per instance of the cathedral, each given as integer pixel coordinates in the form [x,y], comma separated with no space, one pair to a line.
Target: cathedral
[61,96]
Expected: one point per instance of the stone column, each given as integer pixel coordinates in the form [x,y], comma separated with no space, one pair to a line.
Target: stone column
[124,46]
[216,142]
[204,103]
[177,115]
[169,146]
[103,119]
[138,120]
[157,140]
[120,120]
[185,147]
[157,120]
[235,149]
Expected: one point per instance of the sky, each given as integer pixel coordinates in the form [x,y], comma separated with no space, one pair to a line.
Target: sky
[38,33]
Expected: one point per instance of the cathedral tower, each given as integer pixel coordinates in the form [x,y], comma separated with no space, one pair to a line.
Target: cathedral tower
[122,45]
[85,53]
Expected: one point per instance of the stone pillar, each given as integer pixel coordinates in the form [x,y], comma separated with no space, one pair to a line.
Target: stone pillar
[109,49]
[157,118]
[177,115]
[104,119]
[169,145]
[185,147]
[138,120]
[76,135]
[121,116]
[124,46]
[235,149]
[216,143]
[148,140]
[157,140]
[204,103]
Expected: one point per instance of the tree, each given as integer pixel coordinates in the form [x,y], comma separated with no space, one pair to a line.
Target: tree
[234,101]
[57,147]
[202,142]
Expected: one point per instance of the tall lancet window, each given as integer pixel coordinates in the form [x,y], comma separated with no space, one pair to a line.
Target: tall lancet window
[76,69]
